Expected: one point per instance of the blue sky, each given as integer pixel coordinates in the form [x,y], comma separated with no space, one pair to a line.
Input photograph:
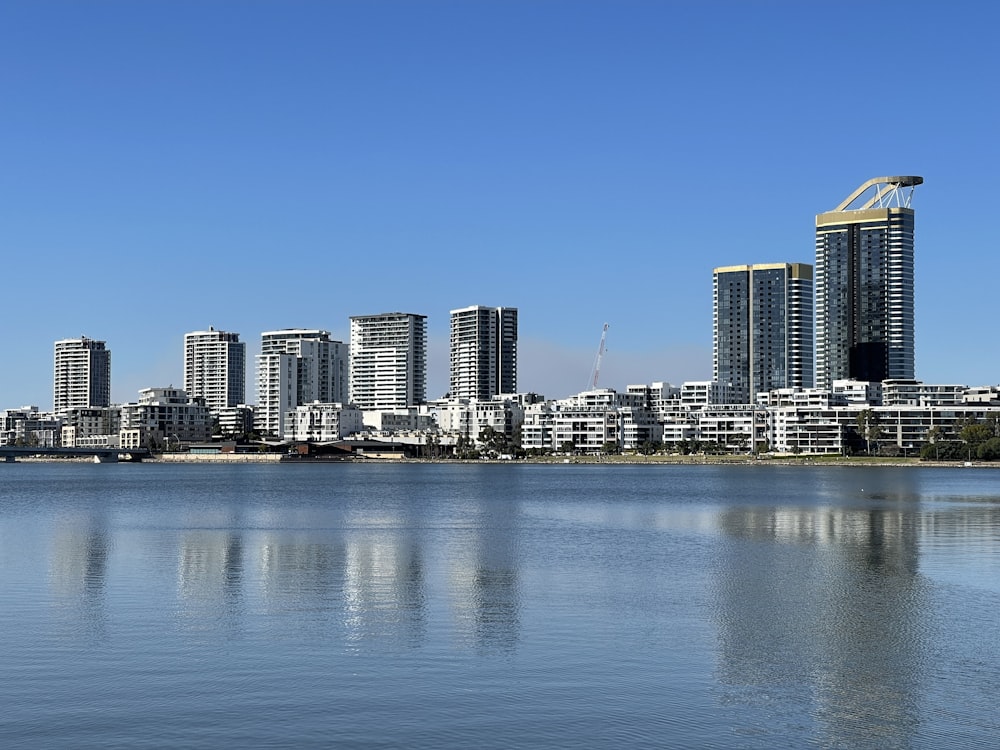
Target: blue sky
[167,166]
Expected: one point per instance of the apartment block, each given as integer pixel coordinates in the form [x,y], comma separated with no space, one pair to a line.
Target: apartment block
[388,360]
[762,332]
[215,368]
[164,417]
[483,361]
[297,366]
[82,375]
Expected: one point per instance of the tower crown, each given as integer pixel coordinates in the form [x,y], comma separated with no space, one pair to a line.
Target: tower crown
[889,193]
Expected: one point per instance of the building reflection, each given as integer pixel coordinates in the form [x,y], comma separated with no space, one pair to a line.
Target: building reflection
[384,589]
[78,567]
[483,581]
[210,578]
[361,577]
[827,604]
[831,607]
[300,572]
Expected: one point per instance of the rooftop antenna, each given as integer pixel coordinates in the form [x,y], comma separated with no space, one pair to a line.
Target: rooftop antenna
[600,356]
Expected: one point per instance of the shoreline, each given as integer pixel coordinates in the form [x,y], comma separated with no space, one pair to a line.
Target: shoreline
[798,461]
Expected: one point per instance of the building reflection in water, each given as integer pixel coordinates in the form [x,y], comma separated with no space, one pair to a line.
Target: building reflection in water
[210,579]
[354,576]
[483,580]
[826,606]
[384,589]
[78,567]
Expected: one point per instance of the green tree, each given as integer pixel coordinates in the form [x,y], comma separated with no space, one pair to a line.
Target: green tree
[493,442]
[993,422]
[610,448]
[975,434]
[868,427]
[649,447]
[944,450]
[465,448]
[516,437]
[989,450]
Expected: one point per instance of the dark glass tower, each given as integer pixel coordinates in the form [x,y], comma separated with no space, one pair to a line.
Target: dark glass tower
[864,285]
[762,328]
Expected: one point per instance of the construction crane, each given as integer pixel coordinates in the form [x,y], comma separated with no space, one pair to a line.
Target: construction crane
[600,356]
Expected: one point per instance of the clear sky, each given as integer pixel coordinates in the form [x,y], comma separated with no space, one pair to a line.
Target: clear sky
[167,166]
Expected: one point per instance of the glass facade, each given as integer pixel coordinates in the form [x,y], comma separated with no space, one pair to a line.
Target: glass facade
[763,333]
[864,300]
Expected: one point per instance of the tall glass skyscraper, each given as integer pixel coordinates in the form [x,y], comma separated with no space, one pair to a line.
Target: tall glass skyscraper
[762,328]
[864,284]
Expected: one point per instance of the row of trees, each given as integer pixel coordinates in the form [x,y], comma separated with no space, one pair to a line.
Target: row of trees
[974,441]
[971,440]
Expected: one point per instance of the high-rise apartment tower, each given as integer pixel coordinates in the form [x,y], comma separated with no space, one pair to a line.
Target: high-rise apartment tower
[297,366]
[762,328]
[215,368]
[82,375]
[483,352]
[864,284]
[388,360]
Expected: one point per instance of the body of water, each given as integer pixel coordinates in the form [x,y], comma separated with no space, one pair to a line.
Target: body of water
[498,606]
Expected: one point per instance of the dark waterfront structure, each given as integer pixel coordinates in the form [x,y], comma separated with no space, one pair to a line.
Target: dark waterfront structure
[864,284]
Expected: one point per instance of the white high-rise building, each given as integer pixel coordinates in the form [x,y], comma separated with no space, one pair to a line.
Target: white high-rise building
[297,366]
[215,367]
[483,352]
[82,375]
[388,360]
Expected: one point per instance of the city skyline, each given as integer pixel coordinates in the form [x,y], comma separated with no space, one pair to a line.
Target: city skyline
[587,164]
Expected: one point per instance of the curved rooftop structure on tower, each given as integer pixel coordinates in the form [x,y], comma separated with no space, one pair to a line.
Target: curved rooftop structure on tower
[889,193]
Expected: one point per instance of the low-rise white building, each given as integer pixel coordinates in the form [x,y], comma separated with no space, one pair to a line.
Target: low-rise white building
[404,419]
[733,427]
[235,421]
[638,428]
[164,418]
[586,429]
[29,426]
[537,428]
[94,427]
[322,422]
[856,393]
[704,393]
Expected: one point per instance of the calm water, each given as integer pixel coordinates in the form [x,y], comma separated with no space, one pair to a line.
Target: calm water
[485,606]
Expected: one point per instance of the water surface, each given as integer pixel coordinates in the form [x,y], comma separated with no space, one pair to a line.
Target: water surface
[456,606]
